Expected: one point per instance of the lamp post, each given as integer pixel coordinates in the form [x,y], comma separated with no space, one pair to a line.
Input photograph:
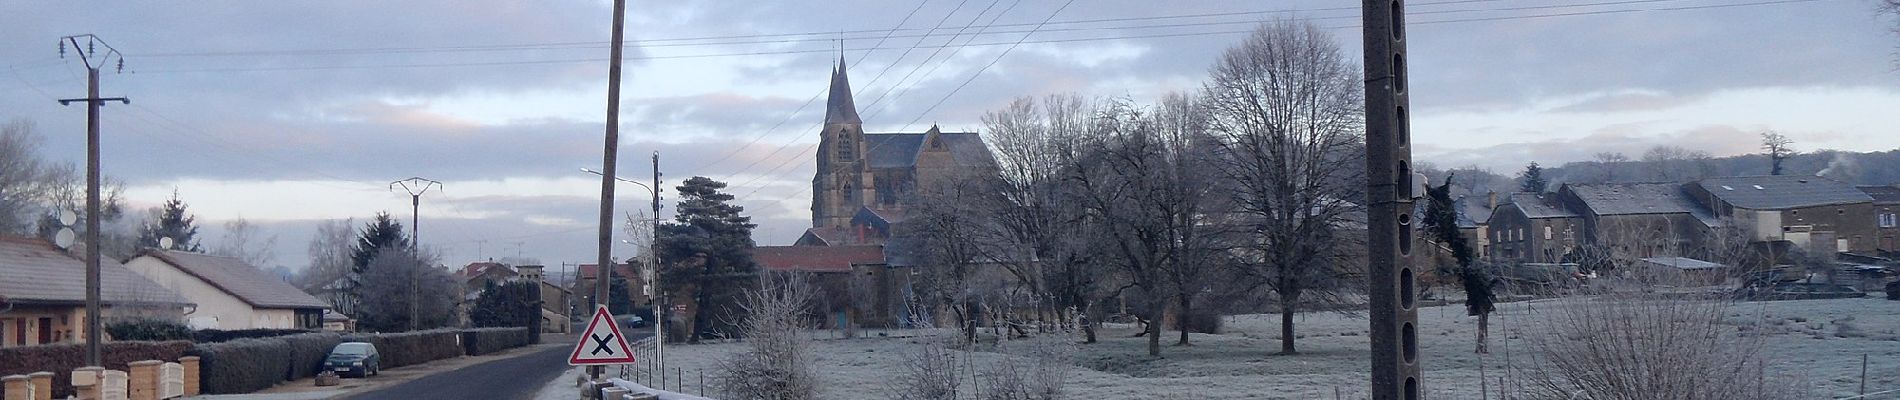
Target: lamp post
[652,277]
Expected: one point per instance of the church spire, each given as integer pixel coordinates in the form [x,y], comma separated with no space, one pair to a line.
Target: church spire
[840,108]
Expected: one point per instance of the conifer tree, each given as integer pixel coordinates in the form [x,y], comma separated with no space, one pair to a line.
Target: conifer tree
[173,222]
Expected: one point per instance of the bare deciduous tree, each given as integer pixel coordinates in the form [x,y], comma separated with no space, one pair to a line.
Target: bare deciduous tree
[244,241]
[1621,347]
[1286,104]
[777,361]
[21,177]
[1779,148]
[329,253]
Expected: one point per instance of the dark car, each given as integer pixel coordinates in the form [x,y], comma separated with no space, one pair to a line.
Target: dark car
[354,358]
[1799,291]
[631,321]
[1893,290]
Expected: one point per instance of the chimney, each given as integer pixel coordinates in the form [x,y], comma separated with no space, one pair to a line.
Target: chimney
[1493,202]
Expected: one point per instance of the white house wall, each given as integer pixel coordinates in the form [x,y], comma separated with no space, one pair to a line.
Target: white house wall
[216,309]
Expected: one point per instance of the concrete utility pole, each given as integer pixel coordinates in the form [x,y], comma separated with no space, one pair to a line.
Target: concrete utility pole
[653,275]
[609,158]
[1394,333]
[415,186]
[89,53]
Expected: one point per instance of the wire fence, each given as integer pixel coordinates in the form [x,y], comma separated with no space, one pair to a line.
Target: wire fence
[646,370]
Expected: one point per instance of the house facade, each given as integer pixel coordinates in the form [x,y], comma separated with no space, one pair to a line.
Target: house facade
[1534,228]
[1886,209]
[43,294]
[1816,214]
[230,293]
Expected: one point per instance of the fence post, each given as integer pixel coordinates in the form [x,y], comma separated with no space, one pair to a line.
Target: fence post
[42,385]
[192,385]
[18,387]
[1863,374]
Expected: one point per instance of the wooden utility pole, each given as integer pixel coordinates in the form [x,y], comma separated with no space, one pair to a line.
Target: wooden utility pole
[415,186]
[653,279]
[1392,286]
[89,53]
[609,159]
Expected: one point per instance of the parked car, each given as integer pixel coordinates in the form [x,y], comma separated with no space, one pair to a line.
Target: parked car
[354,358]
[1798,291]
[631,321]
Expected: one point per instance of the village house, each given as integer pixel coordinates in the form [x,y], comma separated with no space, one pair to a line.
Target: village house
[555,307]
[43,293]
[230,293]
[1816,214]
[587,274]
[1886,217]
[1532,227]
[1640,219]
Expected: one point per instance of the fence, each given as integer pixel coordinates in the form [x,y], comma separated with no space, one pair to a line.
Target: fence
[646,371]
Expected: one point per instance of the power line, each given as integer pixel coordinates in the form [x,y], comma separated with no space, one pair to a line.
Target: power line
[979,71]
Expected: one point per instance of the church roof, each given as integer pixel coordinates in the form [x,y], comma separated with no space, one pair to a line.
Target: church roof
[899,150]
[839,108]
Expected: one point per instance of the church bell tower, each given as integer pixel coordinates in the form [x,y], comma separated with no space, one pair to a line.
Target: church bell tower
[842,180]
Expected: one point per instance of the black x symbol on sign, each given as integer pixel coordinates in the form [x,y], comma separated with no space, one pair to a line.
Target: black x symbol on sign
[600,344]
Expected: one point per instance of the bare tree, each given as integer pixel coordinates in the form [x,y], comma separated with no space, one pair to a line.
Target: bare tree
[399,284]
[243,241]
[1624,347]
[329,253]
[1779,148]
[1610,162]
[21,177]
[1286,106]
[947,225]
[777,361]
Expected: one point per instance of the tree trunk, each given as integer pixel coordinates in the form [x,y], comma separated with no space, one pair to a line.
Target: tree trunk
[969,321]
[1484,329]
[1286,328]
[1158,307]
[1182,319]
[1088,323]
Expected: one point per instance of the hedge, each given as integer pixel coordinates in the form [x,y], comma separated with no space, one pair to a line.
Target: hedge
[154,329]
[243,365]
[411,348]
[481,341]
[307,352]
[62,359]
[215,336]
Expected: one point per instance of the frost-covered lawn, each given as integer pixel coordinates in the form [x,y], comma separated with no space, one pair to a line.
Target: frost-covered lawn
[1821,341]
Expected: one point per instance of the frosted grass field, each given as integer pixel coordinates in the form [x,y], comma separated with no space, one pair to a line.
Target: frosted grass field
[1819,342]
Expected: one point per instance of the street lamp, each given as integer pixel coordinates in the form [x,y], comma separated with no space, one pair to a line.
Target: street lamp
[652,275]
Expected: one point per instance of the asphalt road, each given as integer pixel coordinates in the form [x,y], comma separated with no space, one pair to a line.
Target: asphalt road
[511,378]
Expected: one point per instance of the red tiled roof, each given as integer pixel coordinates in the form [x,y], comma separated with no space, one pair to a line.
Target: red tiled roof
[816,258]
[477,268]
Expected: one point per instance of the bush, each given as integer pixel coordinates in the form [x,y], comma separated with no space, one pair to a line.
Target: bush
[1634,348]
[62,359]
[411,348]
[481,341]
[148,329]
[1204,322]
[307,352]
[216,336]
[243,365]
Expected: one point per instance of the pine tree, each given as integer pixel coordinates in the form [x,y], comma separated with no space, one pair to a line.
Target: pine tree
[1532,179]
[1441,224]
[707,251]
[174,223]
[505,305]
[382,232]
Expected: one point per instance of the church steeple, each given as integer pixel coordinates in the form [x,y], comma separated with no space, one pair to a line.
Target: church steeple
[840,109]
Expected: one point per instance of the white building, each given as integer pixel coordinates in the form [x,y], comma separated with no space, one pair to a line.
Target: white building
[230,293]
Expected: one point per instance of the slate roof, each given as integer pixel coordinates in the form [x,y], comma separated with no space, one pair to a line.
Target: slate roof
[899,150]
[1782,192]
[1882,194]
[829,235]
[839,108]
[34,271]
[1540,205]
[816,258]
[1472,210]
[240,279]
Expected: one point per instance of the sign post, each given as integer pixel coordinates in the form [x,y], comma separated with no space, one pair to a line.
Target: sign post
[601,343]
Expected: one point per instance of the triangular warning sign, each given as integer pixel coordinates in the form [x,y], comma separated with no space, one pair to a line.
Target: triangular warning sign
[601,343]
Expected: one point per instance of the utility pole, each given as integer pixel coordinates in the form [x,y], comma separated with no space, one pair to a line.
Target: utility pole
[1390,273]
[88,54]
[609,157]
[415,186]
[653,277]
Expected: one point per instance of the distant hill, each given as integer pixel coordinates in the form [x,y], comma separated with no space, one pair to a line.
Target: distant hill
[1873,168]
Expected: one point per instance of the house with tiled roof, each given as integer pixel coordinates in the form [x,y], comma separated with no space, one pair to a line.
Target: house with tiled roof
[1813,213]
[1532,227]
[230,293]
[43,293]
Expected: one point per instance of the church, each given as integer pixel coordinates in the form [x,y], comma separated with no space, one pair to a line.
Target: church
[864,180]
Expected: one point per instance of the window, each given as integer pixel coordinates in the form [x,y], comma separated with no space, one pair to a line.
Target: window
[1888,220]
[1520,234]
[1549,233]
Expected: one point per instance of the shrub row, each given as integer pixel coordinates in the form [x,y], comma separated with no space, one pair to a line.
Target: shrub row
[243,365]
[154,329]
[481,341]
[62,359]
[215,336]
[410,348]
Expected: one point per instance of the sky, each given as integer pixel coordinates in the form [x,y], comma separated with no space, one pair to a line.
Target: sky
[286,114]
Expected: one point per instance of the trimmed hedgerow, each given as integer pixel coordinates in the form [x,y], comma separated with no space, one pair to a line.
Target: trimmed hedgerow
[411,348]
[243,365]
[481,341]
[152,329]
[62,359]
[307,352]
[215,336]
